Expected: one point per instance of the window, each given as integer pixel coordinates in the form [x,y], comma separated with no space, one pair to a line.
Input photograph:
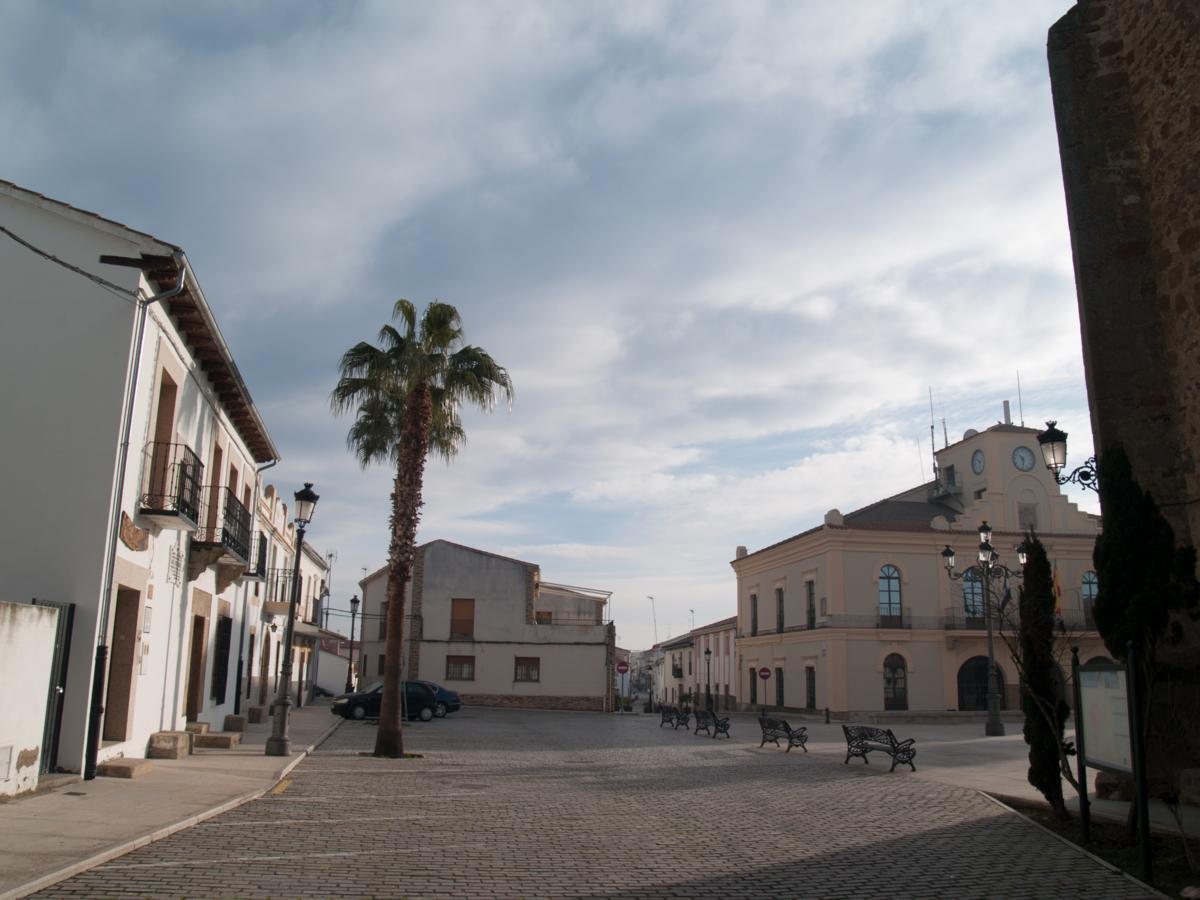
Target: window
[753,685]
[462,619]
[220,672]
[972,597]
[779,609]
[382,657]
[460,668]
[725,646]
[889,592]
[527,668]
[1088,591]
[543,617]
[753,614]
[810,602]
[895,684]
[1027,518]
[779,687]
[383,620]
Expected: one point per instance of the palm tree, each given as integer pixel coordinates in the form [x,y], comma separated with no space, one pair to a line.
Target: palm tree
[406,394]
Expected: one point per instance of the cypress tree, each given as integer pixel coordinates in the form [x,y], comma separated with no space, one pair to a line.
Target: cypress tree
[1042,701]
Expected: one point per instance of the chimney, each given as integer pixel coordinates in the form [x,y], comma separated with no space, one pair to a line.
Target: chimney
[1007,414]
[741,551]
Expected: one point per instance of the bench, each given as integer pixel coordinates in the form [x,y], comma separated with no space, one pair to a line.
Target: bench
[775,729]
[862,739]
[682,717]
[707,720]
[668,716]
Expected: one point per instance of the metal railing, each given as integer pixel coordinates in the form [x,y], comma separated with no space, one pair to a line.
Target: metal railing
[227,525]
[171,476]
[258,556]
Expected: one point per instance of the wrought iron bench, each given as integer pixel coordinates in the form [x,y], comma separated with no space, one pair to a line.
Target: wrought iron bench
[668,716]
[862,739]
[711,723]
[682,717]
[775,729]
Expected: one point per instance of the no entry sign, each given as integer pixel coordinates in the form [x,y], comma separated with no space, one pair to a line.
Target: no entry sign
[764,673]
[622,667]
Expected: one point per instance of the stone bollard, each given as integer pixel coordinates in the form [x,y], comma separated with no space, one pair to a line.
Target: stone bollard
[235,723]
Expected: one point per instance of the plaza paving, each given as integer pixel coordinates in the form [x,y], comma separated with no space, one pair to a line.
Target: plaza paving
[534,804]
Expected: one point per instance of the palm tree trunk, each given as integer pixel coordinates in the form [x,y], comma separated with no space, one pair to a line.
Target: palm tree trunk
[406,513]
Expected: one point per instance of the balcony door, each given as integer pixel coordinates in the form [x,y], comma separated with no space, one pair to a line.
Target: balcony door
[164,434]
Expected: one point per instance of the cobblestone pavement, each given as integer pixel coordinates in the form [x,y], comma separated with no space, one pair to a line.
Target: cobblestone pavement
[533,804]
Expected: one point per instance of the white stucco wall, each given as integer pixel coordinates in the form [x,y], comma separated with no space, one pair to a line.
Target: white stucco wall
[26,656]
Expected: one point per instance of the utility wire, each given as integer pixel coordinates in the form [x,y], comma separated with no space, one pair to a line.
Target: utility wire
[90,276]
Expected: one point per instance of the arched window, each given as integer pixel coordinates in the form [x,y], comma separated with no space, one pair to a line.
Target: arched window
[889,595]
[895,682]
[973,599]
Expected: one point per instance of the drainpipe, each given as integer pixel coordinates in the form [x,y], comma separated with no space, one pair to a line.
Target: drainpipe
[237,699]
[99,672]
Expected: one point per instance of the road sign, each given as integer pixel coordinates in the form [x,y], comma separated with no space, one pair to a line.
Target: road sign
[622,667]
[764,673]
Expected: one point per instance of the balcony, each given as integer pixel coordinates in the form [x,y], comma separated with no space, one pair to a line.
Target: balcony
[170,490]
[226,528]
[258,557]
[960,619]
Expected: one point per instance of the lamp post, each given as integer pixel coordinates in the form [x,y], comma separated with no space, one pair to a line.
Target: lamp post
[708,678]
[279,744]
[1053,442]
[350,663]
[985,570]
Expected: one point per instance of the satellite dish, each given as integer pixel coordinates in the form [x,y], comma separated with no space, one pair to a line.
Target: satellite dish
[969,433]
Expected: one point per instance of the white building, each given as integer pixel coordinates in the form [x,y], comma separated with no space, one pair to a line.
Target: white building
[132,449]
[714,649]
[488,627]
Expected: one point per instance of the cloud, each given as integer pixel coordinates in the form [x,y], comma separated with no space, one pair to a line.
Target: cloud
[724,251]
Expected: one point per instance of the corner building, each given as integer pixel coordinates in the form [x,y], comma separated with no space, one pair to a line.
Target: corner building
[858,615]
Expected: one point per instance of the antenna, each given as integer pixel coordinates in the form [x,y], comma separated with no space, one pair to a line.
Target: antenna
[1020,405]
[921,458]
[932,439]
[653,617]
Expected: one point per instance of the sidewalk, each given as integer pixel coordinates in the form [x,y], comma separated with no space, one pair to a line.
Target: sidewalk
[48,837]
[959,754]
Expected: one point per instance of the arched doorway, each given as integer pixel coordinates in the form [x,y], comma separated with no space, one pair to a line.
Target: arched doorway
[895,682]
[973,684]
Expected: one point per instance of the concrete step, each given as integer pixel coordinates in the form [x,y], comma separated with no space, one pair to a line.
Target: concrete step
[169,745]
[235,723]
[218,740]
[198,727]
[122,767]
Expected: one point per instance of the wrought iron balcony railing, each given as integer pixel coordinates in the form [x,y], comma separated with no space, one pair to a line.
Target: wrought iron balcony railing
[226,523]
[258,556]
[171,476]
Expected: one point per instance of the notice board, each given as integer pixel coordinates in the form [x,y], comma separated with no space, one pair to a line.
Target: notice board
[1104,698]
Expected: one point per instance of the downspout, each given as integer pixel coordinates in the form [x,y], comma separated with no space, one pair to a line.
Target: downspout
[237,697]
[99,671]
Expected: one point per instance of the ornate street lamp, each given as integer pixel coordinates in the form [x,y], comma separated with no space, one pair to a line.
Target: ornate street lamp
[1053,442]
[279,744]
[350,663]
[708,678]
[988,568]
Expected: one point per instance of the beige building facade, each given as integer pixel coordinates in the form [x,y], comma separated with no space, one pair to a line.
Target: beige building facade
[489,628]
[858,615]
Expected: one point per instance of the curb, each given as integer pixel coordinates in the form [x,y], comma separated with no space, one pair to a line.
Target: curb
[1151,891]
[45,881]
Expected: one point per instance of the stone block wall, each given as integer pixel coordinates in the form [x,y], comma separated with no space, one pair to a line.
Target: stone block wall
[1124,77]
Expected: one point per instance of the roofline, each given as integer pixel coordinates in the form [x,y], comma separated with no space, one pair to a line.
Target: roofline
[160,266]
[716,626]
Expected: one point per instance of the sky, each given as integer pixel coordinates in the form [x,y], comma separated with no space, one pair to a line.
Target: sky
[725,251]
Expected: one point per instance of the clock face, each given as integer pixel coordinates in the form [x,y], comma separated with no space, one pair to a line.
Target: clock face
[1024,459]
[977,462]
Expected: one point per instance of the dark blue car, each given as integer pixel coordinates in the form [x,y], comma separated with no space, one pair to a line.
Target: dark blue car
[447,700]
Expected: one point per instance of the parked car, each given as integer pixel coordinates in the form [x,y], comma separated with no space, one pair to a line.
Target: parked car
[447,700]
[420,702]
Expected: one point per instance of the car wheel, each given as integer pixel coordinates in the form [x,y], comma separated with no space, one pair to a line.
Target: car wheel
[440,710]
[360,712]
[426,713]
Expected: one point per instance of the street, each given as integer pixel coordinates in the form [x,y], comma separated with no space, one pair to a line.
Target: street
[530,804]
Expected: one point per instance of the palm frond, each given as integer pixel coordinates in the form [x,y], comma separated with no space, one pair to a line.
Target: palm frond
[406,313]
[441,329]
